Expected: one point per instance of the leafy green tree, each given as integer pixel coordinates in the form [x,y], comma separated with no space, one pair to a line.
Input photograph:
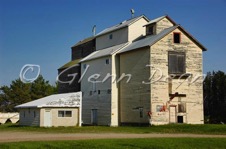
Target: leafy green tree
[215,97]
[18,93]
[41,88]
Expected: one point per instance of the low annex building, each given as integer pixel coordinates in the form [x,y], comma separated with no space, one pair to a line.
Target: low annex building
[54,110]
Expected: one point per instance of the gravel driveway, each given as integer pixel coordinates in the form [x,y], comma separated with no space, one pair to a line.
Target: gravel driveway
[38,136]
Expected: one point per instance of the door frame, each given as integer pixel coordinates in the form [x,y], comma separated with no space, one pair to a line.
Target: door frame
[50,121]
[92,116]
[175,113]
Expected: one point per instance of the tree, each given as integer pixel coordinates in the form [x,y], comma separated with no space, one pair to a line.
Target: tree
[19,93]
[215,96]
[41,88]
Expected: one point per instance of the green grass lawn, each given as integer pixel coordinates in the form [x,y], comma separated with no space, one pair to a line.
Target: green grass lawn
[173,128]
[155,143]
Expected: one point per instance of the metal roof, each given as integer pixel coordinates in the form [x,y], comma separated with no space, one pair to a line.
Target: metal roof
[121,25]
[152,39]
[69,64]
[147,41]
[160,18]
[104,52]
[155,20]
[56,100]
[83,41]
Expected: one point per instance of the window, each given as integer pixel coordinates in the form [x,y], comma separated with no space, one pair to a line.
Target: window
[24,113]
[109,91]
[141,112]
[176,37]
[182,108]
[107,61]
[176,62]
[180,119]
[64,113]
[159,108]
[151,30]
[110,36]
[98,91]
[84,66]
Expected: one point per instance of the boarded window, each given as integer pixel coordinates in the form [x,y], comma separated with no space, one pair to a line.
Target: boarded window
[182,108]
[64,113]
[176,37]
[176,62]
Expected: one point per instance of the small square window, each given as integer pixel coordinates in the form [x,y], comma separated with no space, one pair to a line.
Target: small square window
[151,30]
[159,108]
[110,36]
[68,114]
[107,61]
[60,113]
[109,91]
[176,37]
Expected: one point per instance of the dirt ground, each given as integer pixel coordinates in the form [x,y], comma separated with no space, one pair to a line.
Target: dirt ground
[37,136]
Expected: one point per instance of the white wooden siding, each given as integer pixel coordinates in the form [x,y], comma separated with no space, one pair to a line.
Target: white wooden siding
[102,101]
[118,37]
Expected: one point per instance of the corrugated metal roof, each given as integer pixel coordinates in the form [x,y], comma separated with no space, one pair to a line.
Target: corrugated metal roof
[148,41]
[50,100]
[104,52]
[121,25]
[69,64]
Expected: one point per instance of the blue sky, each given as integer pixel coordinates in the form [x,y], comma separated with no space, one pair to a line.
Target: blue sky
[42,31]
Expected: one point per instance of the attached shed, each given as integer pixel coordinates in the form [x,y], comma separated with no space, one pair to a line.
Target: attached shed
[54,110]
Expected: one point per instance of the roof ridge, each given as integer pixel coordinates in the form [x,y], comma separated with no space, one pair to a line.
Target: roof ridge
[120,25]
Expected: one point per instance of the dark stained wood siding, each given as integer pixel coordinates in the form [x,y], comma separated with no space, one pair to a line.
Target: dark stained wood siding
[83,50]
[66,87]
[77,52]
